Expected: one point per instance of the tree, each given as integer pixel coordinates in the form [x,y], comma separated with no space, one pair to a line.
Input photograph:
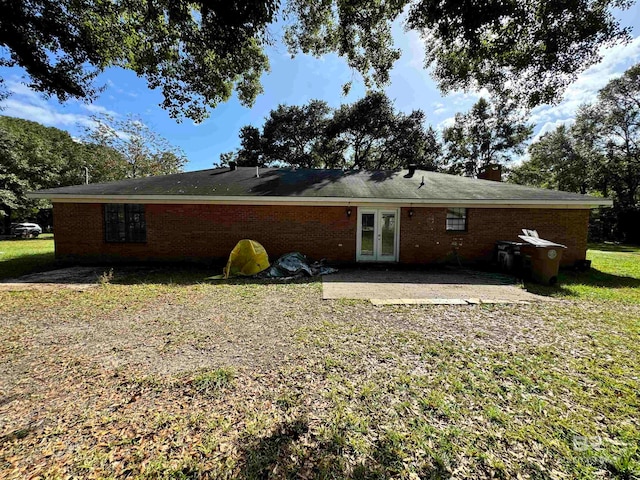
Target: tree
[367,134]
[615,120]
[610,132]
[251,153]
[33,156]
[198,52]
[556,161]
[599,154]
[487,134]
[144,151]
[291,134]
[537,47]
[12,187]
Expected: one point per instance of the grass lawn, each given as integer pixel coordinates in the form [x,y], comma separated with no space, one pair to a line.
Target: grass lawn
[18,257]
[615,275]
[159,375]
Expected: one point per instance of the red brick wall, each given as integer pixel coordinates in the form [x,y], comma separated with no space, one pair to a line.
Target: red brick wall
[210,232]
[423,238]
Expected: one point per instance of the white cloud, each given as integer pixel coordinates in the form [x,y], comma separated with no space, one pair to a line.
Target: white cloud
[415,50]
[98,109]
[463,98]
[17,88]
[31,105]
[615,60]
[447,122]
[551,126]
[439,111]
[42,113]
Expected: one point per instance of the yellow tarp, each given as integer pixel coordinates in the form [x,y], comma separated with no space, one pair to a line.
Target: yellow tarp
[247,258]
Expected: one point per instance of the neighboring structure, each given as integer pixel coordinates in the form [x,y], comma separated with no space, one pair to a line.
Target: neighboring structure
[408,216]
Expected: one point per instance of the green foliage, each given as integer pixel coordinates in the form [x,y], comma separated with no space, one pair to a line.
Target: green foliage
[33,156]
[144,152]
[292,134]
[611,130]
[199,53]
[599,154]
[358,30]
[487,134]
[556,162]
[367,134]
[536,47]
[250,154]
[196,53]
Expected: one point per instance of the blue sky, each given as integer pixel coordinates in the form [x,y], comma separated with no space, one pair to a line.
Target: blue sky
[294,82]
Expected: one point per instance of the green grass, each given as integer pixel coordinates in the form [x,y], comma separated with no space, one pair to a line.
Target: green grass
[212,382]
[19,257]
[614,276]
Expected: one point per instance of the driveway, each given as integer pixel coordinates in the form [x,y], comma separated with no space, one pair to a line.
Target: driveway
[462,287]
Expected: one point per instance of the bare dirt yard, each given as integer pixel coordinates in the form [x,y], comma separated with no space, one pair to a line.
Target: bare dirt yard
[162,375]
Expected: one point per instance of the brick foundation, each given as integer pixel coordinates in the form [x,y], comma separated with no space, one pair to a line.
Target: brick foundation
[209,232]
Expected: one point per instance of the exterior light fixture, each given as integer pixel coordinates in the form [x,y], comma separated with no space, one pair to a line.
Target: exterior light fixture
[411,213]
[348,211]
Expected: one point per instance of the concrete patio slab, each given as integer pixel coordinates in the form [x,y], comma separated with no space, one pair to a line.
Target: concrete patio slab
[428,287]
[71,278]
[22,287]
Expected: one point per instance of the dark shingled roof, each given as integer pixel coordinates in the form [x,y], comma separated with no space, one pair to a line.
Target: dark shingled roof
[296,183]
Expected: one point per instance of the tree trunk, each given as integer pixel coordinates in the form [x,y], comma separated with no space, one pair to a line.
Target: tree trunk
[7,219]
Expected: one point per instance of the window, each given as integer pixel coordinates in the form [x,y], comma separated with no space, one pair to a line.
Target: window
[457,219]
[124,222]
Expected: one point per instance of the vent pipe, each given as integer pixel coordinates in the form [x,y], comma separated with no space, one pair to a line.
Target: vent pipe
[412,169]
[257,172]
[232,166]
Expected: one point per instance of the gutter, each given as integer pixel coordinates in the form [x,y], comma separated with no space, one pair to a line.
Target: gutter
[587,203]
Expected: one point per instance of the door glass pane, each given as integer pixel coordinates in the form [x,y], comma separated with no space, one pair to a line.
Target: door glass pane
[368,222]
[388,234]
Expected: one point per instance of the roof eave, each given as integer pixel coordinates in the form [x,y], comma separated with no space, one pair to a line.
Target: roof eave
[590,202]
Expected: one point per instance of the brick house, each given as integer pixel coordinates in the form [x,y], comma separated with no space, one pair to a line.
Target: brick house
[406,216]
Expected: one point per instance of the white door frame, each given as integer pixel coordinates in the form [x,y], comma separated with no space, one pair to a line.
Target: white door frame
[377,236]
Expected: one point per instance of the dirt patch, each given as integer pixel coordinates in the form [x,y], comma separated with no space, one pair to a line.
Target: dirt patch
[74,278]
[257,327]
[244,380]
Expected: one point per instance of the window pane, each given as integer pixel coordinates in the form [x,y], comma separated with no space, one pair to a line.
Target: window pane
[368,222]
[114,223]
[456,219]
[124,223]
[388,234]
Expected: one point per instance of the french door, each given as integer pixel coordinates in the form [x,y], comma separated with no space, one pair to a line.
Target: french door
[377,235]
